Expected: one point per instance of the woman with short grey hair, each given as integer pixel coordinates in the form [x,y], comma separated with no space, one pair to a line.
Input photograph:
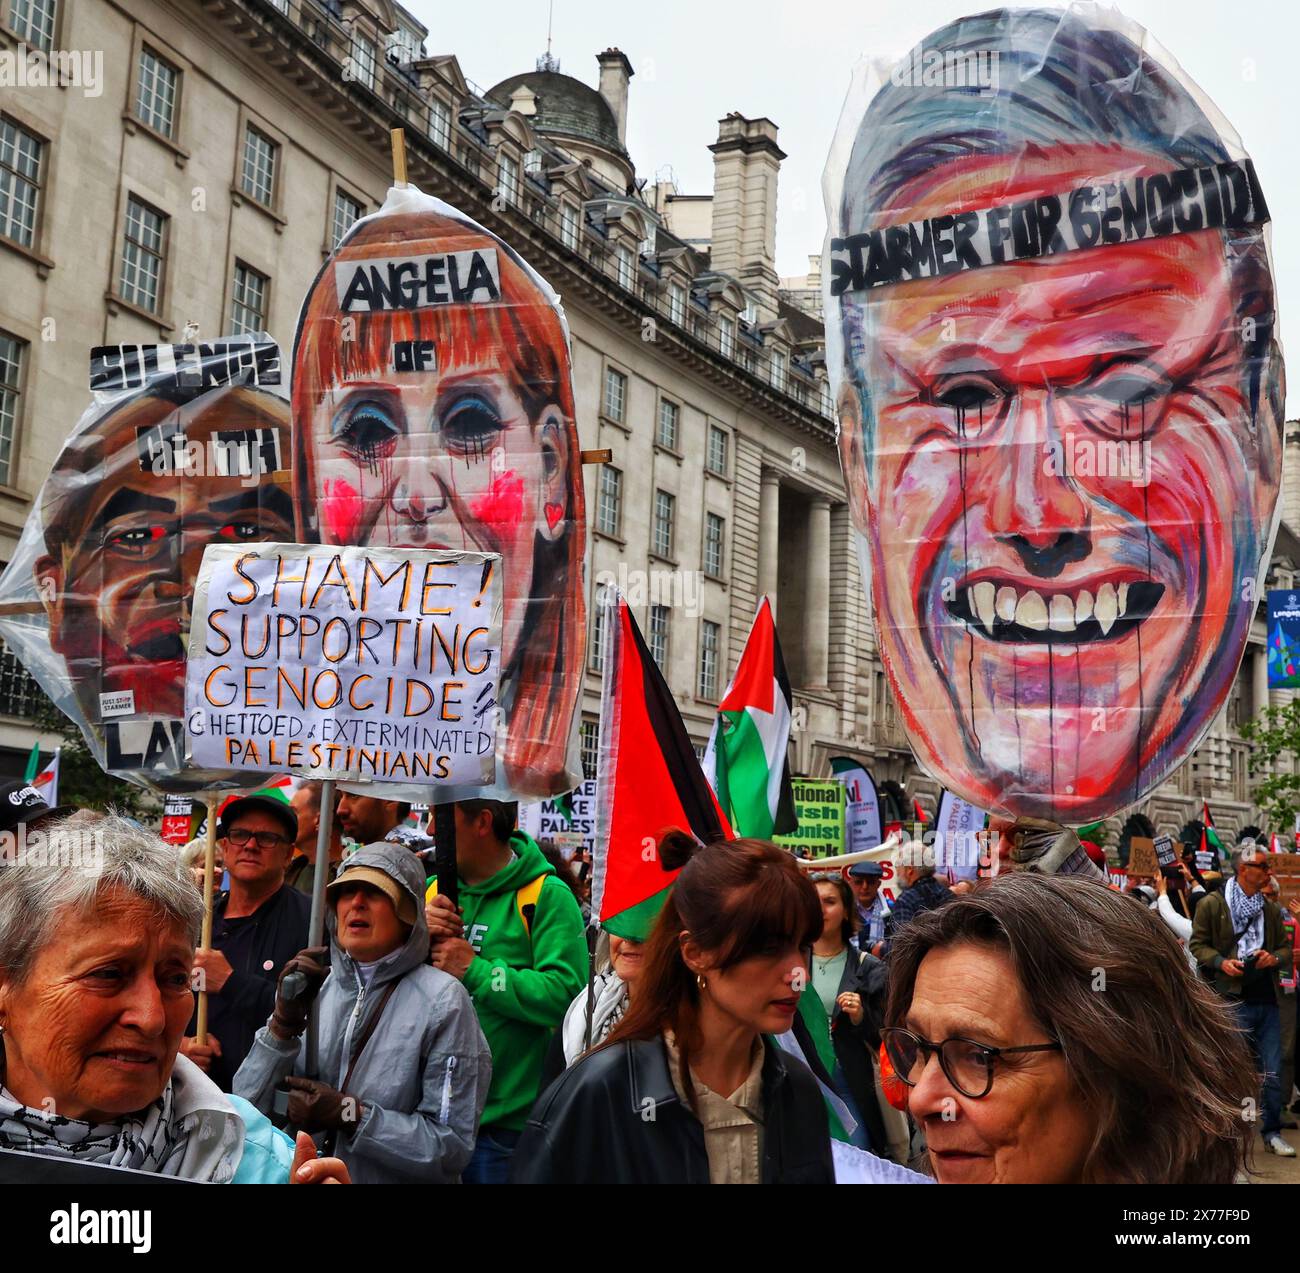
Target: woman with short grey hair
[96,948]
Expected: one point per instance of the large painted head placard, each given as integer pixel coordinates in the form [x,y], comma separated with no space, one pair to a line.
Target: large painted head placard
[1051,330]
[183,446]
[433,408]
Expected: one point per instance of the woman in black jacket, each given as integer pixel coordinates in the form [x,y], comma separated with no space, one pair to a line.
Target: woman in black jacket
[687,1090]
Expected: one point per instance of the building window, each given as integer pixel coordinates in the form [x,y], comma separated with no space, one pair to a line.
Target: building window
[258,181]
[569,225]
[34,21]
[19,694]
[726,337]
[363,61]
[589,746]
[598,641]
[143,251]
[615,394]
[666,434]
[609,505]
[346,211]
[155,94]
[625,266]
[11,382]
[508,179]
[716,459]
[710,635]
[659,637]
[248,308]
[779,368]
[661,543]
[20,182]
[824,398]
[715,530]
[677,304]
[439,123]
[535,164]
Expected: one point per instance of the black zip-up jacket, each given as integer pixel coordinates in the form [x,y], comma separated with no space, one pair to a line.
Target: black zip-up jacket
[615,1118]
[265,941]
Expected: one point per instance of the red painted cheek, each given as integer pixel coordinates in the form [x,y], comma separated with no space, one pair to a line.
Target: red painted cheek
[340,513]
[503,504]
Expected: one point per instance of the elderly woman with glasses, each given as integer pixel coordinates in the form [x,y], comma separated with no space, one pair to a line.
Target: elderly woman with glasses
[96,952]
[1050,1031]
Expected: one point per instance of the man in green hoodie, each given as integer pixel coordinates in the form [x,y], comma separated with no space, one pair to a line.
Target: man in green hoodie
[517,945]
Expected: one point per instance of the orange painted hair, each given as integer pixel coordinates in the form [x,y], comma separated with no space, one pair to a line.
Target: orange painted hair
[540,688]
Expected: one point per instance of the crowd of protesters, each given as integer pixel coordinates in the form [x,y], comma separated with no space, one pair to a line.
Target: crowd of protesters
[766,1021]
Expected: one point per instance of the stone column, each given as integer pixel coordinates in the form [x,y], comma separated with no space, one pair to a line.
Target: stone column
[817,604]
[1259,682]
[769,516]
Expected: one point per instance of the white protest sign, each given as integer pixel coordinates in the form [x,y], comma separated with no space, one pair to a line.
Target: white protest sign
[956,846]
[359,664]
[546,819]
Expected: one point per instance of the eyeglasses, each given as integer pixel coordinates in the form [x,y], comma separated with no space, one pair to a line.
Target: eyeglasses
[967,1064]
[265,839]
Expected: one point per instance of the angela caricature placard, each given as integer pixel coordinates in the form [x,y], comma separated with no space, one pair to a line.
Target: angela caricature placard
[433,409]
[1052,335]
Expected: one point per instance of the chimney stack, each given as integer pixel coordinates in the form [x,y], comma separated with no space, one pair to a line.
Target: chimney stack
[615,71]
[746,162]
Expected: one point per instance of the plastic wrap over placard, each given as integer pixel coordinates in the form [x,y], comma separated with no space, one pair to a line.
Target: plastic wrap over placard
[433,409]
[182,446]
[1052,337]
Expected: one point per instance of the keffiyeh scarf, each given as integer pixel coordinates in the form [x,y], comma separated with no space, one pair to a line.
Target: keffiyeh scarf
[177,1135]
[1247,918]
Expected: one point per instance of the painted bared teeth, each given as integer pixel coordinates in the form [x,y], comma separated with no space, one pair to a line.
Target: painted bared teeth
[1031,612]
[988,602]
[1106,609]
[1060,613]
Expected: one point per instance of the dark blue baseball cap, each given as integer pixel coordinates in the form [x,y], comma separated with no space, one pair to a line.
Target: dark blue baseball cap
[867,870]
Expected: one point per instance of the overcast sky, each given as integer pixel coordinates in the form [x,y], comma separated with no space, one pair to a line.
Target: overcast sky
[694,61]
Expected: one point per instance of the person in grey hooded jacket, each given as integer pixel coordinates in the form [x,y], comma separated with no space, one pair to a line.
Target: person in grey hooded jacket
[404,1068]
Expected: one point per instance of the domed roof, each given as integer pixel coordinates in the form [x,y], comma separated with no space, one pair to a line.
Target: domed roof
[565,106]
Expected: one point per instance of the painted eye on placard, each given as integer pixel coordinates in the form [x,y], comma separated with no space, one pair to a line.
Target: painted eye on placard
[471,426]
[139,541]
[972,404]
[239,532]
[367,430]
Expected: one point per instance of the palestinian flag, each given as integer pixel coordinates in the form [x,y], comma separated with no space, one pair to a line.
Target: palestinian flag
[746,760]
[920,813]
[1209,836]
[648,781]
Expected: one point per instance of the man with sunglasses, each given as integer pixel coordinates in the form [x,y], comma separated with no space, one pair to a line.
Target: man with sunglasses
[1237,936]
[257,927]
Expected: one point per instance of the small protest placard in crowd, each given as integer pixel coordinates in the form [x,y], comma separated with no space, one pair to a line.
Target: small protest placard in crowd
[346,663]
[1166,850]
[1142,856]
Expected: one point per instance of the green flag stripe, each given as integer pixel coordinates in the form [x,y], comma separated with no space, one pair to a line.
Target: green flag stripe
[741,753]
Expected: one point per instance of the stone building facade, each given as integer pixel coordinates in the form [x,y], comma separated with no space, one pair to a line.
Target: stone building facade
[203,177]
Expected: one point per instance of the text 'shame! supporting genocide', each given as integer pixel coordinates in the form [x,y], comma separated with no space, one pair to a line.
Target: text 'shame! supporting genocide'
[346,662]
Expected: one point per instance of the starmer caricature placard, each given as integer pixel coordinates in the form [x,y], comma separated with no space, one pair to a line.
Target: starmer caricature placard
[433,409]
[1052,337]
[182,446]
